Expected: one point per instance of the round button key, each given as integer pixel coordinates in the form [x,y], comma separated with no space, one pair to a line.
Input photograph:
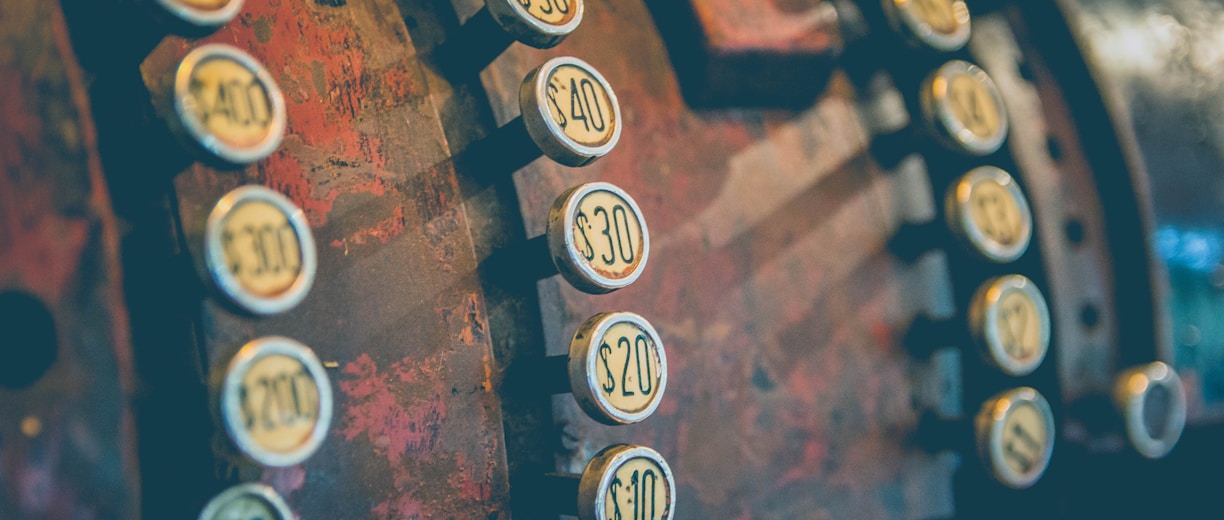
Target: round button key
[1153,405]
[259,250]
[570,111]
[247,502]
[623,482]
[597,237]
[275,401]
[228,105]
[965,109]
[538,23]
[941,25]
[617,368]
[203,13]
[1015,436]
[1010,321]
[989,213]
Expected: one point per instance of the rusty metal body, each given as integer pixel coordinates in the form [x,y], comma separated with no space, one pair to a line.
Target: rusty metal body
[795,387]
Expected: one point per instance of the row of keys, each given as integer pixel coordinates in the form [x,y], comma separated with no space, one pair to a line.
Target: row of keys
[226,106]
[1015,429]
[598,241]
[261,256]
[275,403]
[621,481]
[1009,320]
[274,399]
[258,245]
[986,212]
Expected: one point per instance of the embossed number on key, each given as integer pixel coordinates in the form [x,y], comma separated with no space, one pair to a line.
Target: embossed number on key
[637,492]
[580,106]
[555,12]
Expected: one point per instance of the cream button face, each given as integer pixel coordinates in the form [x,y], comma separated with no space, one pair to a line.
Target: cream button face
[570,111]
[228,104]
[259,250]
[1153,405]
[1015,434]
[247,502]
[626,482]
[538,23]
[203,13]
[965,108]
[989,213]
[617,368]
[942,25]
[1010,321]
[276,401]
[598,238]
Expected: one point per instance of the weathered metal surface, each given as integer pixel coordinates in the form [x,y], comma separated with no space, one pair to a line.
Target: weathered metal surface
[792,392]
[67,442]
[396,305]
[750,54]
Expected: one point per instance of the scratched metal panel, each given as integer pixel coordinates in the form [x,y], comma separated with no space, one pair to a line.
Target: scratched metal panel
[67,442]
[396,304]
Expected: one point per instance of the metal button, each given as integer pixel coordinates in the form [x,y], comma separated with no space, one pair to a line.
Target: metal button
[964,108]
[1015,436]
[1153,405]
[275,401]
[617,368]
[538,23]
[989,213]
[203,13]
[624,481]
[597,238]
[1010,322]
[570,111]
[259,250]
[227,104]
[247,502]
[942,25]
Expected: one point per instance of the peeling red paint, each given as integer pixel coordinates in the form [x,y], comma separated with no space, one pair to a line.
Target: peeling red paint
[329,92]
[474,328]
[384,231]
[379,415]
[399,507]
[401,412]
[814,454]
